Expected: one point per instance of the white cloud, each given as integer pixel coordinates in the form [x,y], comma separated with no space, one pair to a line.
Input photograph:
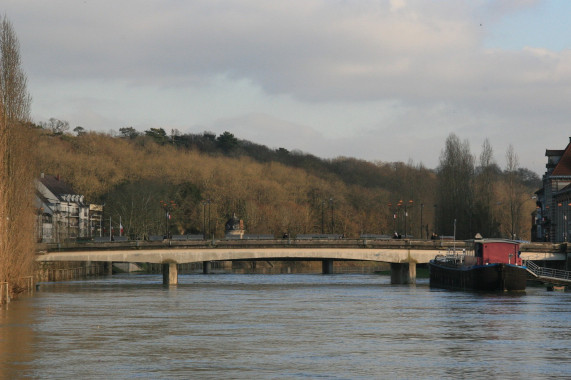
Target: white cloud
[344,73]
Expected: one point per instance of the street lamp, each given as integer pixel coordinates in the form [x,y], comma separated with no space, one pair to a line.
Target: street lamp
[421,209]
[405,206]
[204,203]
[394,212]
[409,205]
[435,229]
[322,217]
[332,220]
[168,207]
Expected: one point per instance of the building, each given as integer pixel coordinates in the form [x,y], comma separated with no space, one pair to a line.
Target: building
[62,214]
[234,228]
[550,220]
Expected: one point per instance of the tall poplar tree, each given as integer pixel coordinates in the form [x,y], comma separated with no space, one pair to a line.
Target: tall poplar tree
[484,198]
[454,194]
[16,167]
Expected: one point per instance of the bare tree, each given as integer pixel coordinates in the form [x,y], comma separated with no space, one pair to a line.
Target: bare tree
[516,194]
[58,127]
[455,199]
[16,167]
[484,192]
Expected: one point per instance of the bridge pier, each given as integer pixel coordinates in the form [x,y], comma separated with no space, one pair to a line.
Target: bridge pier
[170,274]
[206,267]
[327,266]
[109,268]
[403,273]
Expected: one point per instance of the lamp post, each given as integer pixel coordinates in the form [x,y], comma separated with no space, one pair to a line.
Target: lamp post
[405,206]
[204,203]
[322,217]
[409,204]
[394,213]
[332,220]
[435,229]
[421,209]
[168,207]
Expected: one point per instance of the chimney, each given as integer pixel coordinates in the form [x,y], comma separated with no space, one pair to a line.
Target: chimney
[57,177]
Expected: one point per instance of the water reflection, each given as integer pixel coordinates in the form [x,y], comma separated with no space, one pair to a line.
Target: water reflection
[283,326]
[17,338]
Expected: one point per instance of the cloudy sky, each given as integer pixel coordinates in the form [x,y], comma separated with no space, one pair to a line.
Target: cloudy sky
[374,79]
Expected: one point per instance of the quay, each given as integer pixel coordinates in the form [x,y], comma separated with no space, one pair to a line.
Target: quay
[403,255]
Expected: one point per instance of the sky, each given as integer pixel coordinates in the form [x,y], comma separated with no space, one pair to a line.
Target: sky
[380,80]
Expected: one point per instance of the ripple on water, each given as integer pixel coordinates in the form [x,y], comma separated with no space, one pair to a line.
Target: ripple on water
[283,326]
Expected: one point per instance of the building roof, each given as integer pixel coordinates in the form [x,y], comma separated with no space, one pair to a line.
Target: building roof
[563,167]
[554,152]
[58,187]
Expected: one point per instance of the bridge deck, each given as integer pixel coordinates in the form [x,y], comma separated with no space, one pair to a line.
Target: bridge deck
[391,251]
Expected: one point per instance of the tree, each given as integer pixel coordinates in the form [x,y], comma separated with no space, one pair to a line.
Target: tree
[517,197]
[157,134]
[80,131]
[13,82]
[454,194]
[58,127]
[129,132]
[16,166]
[484,199]
[227,142]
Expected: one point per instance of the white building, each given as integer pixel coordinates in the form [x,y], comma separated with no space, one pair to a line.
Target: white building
[62,213]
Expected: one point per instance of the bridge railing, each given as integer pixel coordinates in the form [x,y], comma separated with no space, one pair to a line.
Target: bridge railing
[547,272]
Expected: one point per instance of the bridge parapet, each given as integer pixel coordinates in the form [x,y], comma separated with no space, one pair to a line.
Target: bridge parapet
[543,247]
[251,243]
[400,244]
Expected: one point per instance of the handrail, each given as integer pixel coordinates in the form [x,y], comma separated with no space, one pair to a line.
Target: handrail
[547,272]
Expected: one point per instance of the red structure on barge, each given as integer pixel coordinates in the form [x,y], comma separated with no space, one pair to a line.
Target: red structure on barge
[493,265]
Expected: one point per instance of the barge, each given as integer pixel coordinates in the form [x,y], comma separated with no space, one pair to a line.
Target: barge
[492,265]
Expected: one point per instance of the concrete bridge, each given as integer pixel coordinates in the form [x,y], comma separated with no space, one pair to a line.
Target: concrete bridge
[403,255]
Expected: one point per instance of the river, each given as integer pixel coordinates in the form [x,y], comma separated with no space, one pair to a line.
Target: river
[281,327]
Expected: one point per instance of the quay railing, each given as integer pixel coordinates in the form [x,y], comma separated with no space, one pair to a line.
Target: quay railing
[67,274]
[543,272]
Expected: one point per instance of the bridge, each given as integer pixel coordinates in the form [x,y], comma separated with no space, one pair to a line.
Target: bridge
[403,255]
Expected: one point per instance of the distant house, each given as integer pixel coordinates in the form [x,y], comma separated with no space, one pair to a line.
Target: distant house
[62,214]
[234,228]
[550,220]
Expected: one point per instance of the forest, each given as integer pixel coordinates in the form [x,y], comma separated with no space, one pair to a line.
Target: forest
[203,179]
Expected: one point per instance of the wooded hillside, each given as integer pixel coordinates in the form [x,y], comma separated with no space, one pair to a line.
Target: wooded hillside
[273,191]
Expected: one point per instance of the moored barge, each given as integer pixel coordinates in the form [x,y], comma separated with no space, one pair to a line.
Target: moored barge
[492,265]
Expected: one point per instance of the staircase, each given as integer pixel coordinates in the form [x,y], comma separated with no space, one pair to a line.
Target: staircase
[548,275]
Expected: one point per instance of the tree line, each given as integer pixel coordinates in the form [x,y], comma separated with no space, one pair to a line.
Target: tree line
[476,196]
[276,191]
